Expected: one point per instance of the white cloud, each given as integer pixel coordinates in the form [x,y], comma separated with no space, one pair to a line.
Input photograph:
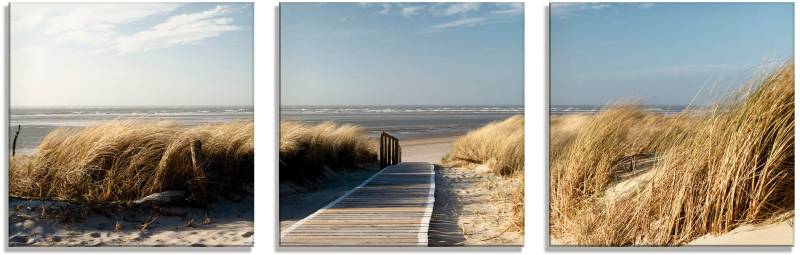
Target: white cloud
[409,11]
[386,9]
[92,24]
[98,26]
[454,9]
[471,14]
[563,10]
[508,8]
[465,22]
[177,30]
[646,5]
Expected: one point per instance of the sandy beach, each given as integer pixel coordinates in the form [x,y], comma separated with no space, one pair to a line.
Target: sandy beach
[465,212]
[470,210]
[779,233]
[226,222]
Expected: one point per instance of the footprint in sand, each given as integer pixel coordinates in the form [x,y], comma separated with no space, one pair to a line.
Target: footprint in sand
[20,239]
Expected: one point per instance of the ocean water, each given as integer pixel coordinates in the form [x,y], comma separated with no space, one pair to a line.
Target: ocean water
[404,122]
[37,122]
[593,109]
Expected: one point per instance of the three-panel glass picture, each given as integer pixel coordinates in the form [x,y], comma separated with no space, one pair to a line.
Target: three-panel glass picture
[400,124]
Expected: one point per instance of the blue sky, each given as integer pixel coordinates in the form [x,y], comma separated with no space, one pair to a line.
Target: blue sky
[131,54]
[663,53]
[401,54]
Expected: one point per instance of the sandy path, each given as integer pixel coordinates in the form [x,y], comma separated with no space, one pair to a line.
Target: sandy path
[426,150]
[465,211]
[469,209]
[223,223]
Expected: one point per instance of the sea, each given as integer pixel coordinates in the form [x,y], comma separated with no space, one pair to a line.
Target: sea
[37,122]
[405,122]
[594,109]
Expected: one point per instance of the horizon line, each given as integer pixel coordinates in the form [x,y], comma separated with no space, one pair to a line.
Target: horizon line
[154,105]
[294,105]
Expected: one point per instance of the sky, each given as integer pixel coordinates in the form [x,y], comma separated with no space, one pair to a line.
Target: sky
[135,54]
[401,54]
[663,53]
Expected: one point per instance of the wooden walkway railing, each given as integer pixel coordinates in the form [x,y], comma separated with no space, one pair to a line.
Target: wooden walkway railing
[390,151]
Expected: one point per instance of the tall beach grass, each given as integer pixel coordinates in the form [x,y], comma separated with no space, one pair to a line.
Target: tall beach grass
[729,165]
[306,150]
[127,160]
[500,145]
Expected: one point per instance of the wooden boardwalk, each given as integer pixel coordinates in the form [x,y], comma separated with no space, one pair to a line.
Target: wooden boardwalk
[391,208]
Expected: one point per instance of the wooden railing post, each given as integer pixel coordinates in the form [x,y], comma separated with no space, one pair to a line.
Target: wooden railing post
[14,145]
[390,150]
[399,154]
[196,149]
[394,151]
[381,154]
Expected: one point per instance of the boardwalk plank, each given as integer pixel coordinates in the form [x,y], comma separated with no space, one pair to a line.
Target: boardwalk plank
[391,208]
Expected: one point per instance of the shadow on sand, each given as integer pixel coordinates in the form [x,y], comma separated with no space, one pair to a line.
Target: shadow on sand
[444,229]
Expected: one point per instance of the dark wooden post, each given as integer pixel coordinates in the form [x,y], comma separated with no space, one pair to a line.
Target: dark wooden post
[399,154]
[394,151]
[14,144]
[197,156]
[381,156]
[389,152]
[397,150]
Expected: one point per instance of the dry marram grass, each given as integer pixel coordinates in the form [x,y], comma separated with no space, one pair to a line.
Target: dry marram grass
[728,165]
[127,160]
[306,149]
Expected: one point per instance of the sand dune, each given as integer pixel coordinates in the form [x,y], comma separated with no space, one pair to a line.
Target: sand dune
[780,233]
[48,223]
[466,210]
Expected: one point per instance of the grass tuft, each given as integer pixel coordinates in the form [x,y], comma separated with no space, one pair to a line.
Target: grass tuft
[306,150]
[128,160]
[500,145]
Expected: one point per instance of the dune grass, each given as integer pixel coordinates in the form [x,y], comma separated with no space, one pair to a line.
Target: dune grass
[501,147]
[307,149]
[127,160]
[729,165]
